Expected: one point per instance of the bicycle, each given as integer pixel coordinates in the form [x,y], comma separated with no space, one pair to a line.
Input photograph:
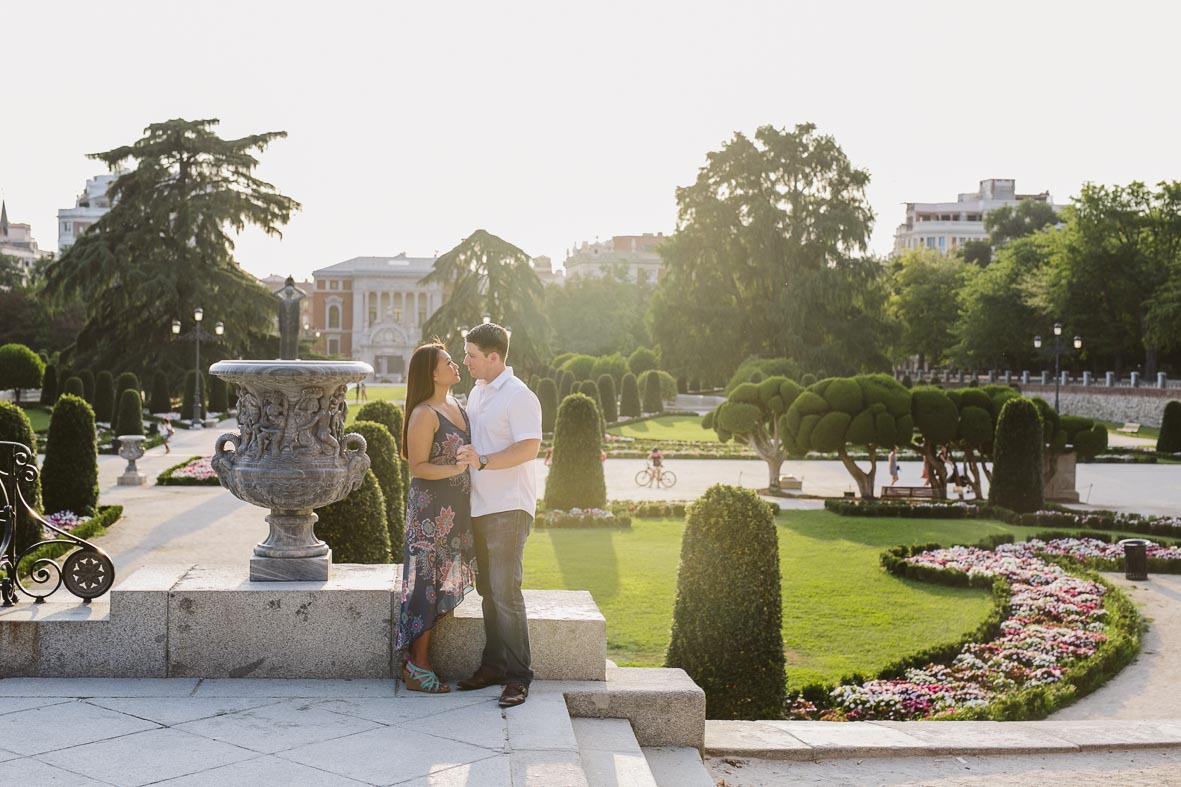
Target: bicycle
[663,479]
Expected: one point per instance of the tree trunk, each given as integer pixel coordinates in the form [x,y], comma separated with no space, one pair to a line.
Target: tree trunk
[18,396]
[936,470]
[773,466]
[973,466]
[864,480]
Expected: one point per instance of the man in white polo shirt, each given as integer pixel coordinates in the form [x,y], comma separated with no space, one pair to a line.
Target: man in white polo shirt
[506,433]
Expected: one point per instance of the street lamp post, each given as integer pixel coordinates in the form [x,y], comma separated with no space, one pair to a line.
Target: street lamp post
[1078,345]
[196,335]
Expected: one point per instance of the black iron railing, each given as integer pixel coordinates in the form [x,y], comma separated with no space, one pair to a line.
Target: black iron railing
[87,571]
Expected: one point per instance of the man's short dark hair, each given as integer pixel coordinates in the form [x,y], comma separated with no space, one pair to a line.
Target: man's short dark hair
[489,337]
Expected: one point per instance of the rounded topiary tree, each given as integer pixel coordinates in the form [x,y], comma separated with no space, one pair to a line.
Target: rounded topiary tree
[20,368]
[355,527]
[15,427]
[187,393]
[127,381]
[614,365]
[87,378]
[937,420]
[629,397]
[727,630]
[607,398]
[642,360]
[104,397]
[580,366]
[1169,439]
[219,401]
[75,387]
[1017,458]
[49,389]
[653,401]
[751,415]
[547,394]
[576,472]
[386,465]
[129,418]
[385,413]
[160,400]
[69,480]
[565,385]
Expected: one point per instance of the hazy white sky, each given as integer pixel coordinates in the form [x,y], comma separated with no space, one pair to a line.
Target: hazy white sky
[549,123]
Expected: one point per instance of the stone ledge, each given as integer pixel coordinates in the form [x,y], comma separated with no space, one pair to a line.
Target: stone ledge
[664,706]
[810,740]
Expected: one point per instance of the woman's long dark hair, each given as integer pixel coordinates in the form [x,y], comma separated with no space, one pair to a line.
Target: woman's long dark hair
[420,382]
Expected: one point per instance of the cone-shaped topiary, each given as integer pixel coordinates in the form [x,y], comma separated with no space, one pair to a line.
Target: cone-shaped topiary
[75,387]
[186,407]
[49,390]
[355,527]
[160,400]
[727,628]
[104,397]
[653,403]
[607,400]
[1017,458]
[129,418]
[87,378]
[386,465]
[547,394]
[218,399]
[629,397]
[390,416]
[15,427]
[591,388]
[1169,440]
[565,385]
[127,381]
[576,473]
[70,477]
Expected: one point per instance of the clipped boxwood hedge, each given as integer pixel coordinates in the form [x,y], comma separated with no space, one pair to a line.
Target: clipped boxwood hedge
[355,527]
[582,519]
[69,477]
[1017,457]
[629,397]
[15,427]
[1168,440]
[386,466]
[576,475]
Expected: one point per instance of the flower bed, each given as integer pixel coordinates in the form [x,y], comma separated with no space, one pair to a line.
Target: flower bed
[1096,553]
[1054,635]
[581,519]
[194,471]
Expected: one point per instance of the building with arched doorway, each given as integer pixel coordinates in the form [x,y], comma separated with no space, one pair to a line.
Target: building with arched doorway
[372,309]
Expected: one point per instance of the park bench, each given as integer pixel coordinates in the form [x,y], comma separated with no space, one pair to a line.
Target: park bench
[1129,428]
[908,492]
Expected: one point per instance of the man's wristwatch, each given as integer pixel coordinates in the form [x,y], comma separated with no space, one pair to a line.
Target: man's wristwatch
[483,462]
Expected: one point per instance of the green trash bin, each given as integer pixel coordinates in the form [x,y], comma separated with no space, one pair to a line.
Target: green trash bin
[1135,559]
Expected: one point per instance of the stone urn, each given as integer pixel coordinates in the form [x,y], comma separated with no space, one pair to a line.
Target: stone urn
[131,448]
[291,455]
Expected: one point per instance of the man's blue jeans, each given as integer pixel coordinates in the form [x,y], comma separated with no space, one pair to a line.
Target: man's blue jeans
[500,544]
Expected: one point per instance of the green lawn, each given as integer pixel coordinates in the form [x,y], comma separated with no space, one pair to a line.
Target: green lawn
[38,417]
[668,427]
[841,612]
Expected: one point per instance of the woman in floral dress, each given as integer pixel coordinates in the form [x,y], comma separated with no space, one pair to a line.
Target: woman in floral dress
[438,560]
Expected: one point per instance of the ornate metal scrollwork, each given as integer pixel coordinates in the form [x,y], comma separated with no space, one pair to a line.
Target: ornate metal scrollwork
[86,572]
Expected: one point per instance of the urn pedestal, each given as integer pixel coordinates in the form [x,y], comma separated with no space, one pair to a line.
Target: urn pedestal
[291,455]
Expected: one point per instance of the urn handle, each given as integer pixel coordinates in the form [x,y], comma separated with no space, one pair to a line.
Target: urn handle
[353,437]
[219,451]
[359,460]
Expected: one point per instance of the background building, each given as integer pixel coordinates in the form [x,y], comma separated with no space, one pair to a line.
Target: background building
[90,206]
[16,240]
[372,309]
[947,226]
[635,254]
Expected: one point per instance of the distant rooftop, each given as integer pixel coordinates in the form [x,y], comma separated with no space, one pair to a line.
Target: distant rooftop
[377,265]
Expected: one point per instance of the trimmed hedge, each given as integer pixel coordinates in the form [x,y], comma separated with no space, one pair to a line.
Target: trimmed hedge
[49,390]
[629,397]
[160,400]
[191,382]
[1017,458]
[20,368]
[386,465]
[129,419]
[566,383]
[70,475]
[547,395]
[388,415]
[582,519]
[1168,441]
[219,401]
[355,527]
[15,427]
[127,381]
[75,387]
[727,631]
[668,384]
[576,474]
[653,401]
[87,378]
[642,360]
[607,400]
[650,509]
[167,478]
[104,397]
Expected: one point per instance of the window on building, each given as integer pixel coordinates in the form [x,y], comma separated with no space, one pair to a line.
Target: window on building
[66,227]
[334,317]
[372,314]
[931,242]
[397,314]
[421,316]
[334,285]
[334,346]
[319,284]
[942,242]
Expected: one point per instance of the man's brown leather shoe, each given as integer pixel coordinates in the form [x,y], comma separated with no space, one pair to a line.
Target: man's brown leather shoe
[514,694]
[481,678]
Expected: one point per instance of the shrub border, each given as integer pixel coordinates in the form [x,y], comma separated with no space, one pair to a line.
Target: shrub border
[167,478]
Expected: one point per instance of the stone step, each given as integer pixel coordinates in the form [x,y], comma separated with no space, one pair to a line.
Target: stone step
[820,740]
[677,766]
[665,707]
[610,754]
[212,622]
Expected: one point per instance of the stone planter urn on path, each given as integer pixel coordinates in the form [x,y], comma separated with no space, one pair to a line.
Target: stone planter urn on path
[131,448]
[291,455]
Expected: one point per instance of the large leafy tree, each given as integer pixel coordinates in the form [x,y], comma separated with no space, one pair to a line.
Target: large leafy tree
[598,315]
[763,261]
[487,276]
[925,303]
[1009,222]
[166,246]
